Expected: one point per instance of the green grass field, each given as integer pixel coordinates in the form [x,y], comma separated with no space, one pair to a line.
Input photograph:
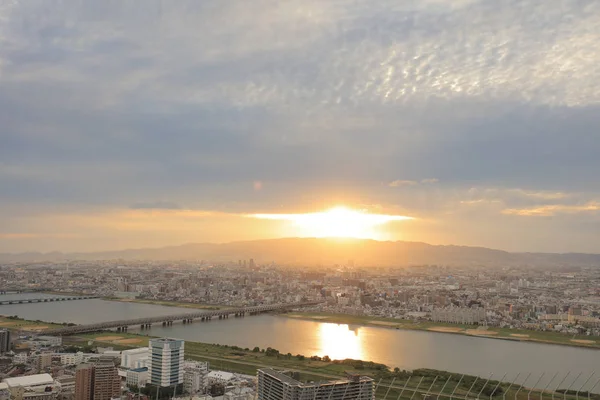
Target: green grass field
[17,324]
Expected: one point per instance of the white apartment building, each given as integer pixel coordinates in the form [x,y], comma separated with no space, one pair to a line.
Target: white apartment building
[135,358]
[33,387]
[71,358]
[194,377]
[137,377]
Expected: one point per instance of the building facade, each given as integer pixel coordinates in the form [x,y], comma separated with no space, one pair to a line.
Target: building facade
[107,383]
[276,385]
[459,315]
[33,387]
[44,361]
[4,341]
[135,358]
[194,377]
[84,382]
[137,377]
[166,363]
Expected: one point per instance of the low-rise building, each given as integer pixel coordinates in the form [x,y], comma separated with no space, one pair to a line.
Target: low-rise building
[33,387]
[44,361]
[72,358]
[194,377]
[135,358]
[137,377]
[222,377]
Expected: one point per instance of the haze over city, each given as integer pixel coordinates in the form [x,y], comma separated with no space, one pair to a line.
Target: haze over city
[469,122]
[292,200]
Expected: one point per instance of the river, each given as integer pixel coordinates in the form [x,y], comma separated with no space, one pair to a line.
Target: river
[395,348]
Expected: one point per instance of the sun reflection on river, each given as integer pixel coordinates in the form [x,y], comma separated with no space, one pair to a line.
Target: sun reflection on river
[340,342]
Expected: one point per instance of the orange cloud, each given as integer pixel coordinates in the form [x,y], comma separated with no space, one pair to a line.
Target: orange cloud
[554,209]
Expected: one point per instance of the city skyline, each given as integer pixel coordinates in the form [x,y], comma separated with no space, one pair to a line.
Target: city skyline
[470,122]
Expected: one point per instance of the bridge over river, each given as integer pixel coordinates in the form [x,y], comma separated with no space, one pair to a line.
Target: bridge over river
[46,299]
[122,325]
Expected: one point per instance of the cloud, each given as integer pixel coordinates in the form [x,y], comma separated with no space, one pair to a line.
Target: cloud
[156,205]
[323,102]
[554,209]
[399,183]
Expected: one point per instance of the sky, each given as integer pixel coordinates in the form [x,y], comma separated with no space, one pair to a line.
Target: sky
[148,123]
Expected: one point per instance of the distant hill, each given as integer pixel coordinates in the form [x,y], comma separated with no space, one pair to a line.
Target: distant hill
[311,251]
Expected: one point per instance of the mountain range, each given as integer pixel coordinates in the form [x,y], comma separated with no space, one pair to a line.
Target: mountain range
[329,251]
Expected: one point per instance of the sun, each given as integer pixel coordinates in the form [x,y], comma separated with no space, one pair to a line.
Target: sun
[340,222]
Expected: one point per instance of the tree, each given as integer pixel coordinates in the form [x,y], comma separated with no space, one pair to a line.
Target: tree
[300,357]
[256,349]
[396,370]
[326,359]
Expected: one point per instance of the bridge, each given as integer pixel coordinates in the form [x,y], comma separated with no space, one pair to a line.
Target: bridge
[187,318]
[46,299]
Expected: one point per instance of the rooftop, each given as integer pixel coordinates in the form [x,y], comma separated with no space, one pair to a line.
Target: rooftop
[31,380]
[281,376]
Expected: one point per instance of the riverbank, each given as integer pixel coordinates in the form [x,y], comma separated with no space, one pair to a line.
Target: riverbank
[169,303]
[396,383]
[13,323]
[591,342]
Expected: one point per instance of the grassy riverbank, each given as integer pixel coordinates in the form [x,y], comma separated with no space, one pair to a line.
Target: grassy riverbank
[13,323]
[469,330]
[169,303]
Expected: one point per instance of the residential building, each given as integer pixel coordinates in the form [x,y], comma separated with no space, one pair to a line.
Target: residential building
[194,377]
[137,377]
[134,358]
[107,383]
[458,315]
[33,387]
[219,377]
[72,358]
[166,365]
[276,385]
[67,384]
[4,341]
[44,361]
[84,382]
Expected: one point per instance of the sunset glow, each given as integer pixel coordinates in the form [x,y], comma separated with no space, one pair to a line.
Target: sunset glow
[337,222]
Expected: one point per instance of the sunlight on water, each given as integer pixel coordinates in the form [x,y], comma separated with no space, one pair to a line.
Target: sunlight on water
[340,342]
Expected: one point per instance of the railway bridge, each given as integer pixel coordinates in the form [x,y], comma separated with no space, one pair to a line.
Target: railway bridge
[46,299]
[144,323]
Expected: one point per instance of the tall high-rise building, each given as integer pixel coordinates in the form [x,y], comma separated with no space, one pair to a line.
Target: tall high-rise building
[166,364]
[99,381]
[84,382]
[107,383]
[4,341]
[276,385]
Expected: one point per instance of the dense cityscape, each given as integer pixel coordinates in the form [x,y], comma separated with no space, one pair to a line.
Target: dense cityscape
[564,300]
[36,366]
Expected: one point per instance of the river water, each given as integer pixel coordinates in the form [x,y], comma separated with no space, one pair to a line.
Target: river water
[395,348]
